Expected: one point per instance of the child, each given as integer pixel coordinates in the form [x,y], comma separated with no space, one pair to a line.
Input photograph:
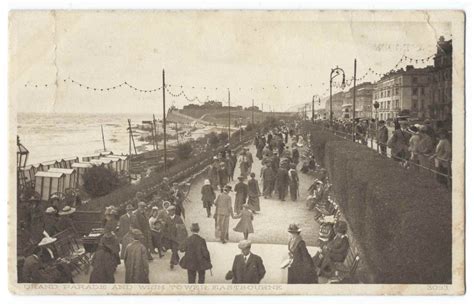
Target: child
[245,224]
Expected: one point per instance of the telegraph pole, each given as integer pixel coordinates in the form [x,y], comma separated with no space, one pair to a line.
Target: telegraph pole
[354,101]
[228,101]
[164,121]
[312,111]
[103,139]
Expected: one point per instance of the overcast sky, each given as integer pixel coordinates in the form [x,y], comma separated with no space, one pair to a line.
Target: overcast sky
[255,54]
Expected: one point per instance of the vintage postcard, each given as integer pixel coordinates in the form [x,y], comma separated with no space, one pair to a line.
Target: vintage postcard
[236,152]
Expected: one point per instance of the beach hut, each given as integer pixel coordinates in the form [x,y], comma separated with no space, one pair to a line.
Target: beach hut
[45,166]
[47,183]
[90,157]
[29,172]
[66,163]
[124,162]
[81,168]
[107,163]
[114,162]
[70,179]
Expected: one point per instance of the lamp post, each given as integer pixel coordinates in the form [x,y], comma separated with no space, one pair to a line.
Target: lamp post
[334,73]
[21,159]
[376,106]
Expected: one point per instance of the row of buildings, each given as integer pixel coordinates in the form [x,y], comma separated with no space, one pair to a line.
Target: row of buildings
[416,92]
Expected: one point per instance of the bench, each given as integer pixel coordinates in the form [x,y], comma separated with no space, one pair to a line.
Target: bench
[68,248]
[345,272]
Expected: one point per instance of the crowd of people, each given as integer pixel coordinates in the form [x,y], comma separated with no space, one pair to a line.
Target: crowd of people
[134,234]
[422,147]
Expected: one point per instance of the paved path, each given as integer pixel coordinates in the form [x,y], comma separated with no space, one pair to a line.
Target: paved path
[269,240]
[270,224]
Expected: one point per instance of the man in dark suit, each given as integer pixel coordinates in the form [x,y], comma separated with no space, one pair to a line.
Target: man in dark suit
[196,258]
[248,268]
[140,221]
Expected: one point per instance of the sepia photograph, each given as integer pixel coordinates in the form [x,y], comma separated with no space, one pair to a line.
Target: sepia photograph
[234,152]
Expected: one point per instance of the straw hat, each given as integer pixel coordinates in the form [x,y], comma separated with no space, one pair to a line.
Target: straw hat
[50,210]
[207,182]
[129,207]
[171,208]
[142,204]
[67,210]
[46,241]
[294,228]
[244,244]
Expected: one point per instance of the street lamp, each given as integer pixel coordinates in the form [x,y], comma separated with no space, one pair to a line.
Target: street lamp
[376,106]
[334,73]
[22,157]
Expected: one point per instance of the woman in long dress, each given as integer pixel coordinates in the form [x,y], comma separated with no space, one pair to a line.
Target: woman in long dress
[254,194]
[208,196]
[105,260]
[241,192]
[302,269]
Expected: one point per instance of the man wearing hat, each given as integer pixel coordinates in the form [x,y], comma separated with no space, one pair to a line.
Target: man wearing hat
[175,234]
[382,137]
[105,260]
[268,176]
[65,221]
[196,257]
[124,227]
[247,268]
[223,213]
[136,260]
[140,221]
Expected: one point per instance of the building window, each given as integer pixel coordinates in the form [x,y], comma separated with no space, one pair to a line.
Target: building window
[414,91]
[396,91]
[415,80]
[415,104]
[388,92]
[422,91]
[388,104]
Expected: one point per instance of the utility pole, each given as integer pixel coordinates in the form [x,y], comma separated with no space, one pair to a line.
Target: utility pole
[228,101]
[312,112]
[131,138]
[103,139]
[252,111]
[154,130]
[164,122]
[153,135]
[354,101]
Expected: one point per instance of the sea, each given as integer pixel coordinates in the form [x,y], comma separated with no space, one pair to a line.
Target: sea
[51,136]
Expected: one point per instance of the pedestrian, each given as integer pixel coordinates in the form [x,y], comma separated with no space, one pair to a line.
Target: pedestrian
[223,175]
[254,194]
[281,183]
[413,145]
[212,173]
[124,228]
[241,192]
[247,267]
[268,177]
[111,219]
[249,159]
[442,157]
[243,164]
[178,200]
[222,214]
[295,155]
[245,225]
[275,162]
[398,144]
[233,164]
[33,269]
[382,137]
[105,260]
[156,228]
[294,182]
[301,269]
[196,259]
[176,234]
[208,196]
[425,149]
[140,221]
[136,260]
